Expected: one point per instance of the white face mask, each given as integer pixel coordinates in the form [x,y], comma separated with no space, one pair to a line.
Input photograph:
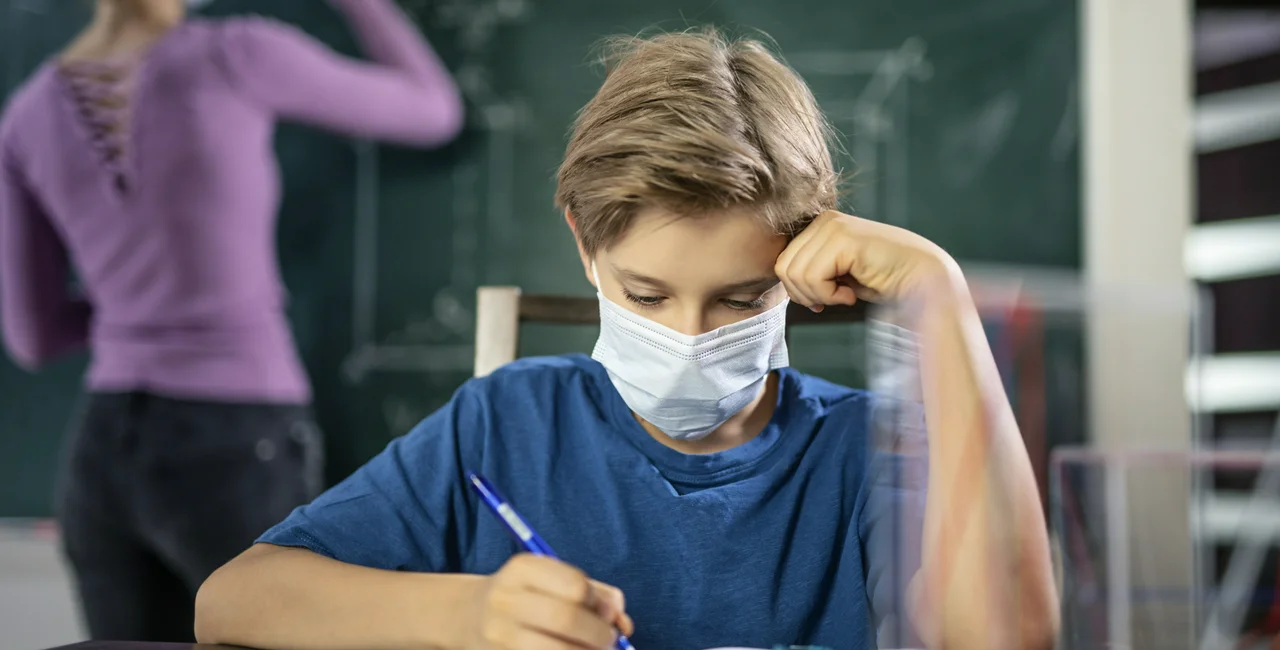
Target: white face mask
[687,386]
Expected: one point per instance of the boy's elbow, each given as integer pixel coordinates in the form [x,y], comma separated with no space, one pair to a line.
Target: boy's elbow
[212,615]
[232,602]
[1030,623]
[1040,609]
[206,628]
[1040,630]
[220,605]
[1037,622]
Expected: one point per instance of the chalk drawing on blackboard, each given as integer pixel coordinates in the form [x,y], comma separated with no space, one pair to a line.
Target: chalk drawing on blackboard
[873,113]
[482,203]
[1067,134]
[873,116]
[400,414]
[967,150]
[31,6]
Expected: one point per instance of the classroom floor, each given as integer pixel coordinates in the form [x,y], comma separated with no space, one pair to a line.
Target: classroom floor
[37,609]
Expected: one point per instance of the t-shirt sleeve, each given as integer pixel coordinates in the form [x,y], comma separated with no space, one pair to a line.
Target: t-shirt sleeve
[895,470]
[404,509]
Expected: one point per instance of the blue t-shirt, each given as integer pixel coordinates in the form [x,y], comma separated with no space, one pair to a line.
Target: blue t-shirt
[800,536]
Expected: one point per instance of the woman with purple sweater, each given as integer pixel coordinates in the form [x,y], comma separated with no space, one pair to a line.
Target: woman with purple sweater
[141,157]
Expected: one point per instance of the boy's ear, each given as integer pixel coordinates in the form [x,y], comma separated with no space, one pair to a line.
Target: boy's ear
[582,252]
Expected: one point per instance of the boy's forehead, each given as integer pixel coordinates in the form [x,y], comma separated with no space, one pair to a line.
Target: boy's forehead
[722,247]
[737,225]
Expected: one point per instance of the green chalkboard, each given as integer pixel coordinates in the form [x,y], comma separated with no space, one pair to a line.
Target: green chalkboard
[959,119]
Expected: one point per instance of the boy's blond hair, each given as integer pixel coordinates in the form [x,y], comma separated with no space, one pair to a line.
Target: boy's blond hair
[691,122]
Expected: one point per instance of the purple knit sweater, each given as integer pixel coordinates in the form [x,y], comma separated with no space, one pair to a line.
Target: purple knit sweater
[156,181]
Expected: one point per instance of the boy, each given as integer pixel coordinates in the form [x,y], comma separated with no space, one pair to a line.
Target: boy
[728,496]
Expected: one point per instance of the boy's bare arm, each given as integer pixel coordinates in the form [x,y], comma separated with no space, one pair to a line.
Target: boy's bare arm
[277,597]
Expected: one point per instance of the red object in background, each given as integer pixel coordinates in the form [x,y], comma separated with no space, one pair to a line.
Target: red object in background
[1270,626]
[46,529]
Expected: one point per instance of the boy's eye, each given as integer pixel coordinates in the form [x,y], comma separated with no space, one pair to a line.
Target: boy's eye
[643,301]
[744,305]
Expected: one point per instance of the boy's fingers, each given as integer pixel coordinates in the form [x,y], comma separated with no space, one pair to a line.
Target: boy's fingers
[564,620]
[552,577]
[608,599]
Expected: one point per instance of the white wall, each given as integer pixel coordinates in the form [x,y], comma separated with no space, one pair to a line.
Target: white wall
[1138,156]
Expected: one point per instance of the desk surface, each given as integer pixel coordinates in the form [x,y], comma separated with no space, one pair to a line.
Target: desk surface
[138,645]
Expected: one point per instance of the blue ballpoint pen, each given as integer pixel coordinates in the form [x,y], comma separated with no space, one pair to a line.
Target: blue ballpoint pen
[530,540]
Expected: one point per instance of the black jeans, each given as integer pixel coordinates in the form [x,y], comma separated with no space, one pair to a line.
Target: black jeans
[156,493]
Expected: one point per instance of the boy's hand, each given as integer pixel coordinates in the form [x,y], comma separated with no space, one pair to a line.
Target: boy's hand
[840,258]
[537,603]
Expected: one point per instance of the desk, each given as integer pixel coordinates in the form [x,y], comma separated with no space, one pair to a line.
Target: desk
[138,645]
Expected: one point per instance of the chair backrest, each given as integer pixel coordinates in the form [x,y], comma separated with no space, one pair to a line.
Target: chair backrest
[501,310]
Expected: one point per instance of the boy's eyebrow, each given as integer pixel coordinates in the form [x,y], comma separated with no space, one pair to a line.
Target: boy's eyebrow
[760,284]
[641,279]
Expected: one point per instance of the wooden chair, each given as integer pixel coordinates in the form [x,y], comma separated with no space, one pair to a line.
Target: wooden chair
[501,310]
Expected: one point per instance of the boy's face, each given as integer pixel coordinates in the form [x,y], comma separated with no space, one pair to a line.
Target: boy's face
[692,274]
